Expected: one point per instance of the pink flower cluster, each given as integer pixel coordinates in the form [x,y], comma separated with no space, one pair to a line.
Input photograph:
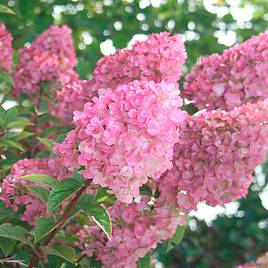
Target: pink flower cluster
[71,97]
[237,76]
[125,136]
[51,56]
[216,155]
[6,51]
[49,59]
[14,192]
[159,58]
[130,131]
[137,229]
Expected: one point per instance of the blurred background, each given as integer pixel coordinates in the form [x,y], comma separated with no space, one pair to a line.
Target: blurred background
[216,237]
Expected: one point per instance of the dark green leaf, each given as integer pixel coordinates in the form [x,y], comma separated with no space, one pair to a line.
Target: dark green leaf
[77,176]
[7,245]
[62,191]
[5,76]
[5,212]
[11,114]
[82,201]
[43,226]
[102,195]
[44,106]
[62,135]
[61,236]
[176,239]
[43,154]
[99,215]
[12,144]
[144,262]
[47,117]
[146,190]
[40,192]
[41,178]
[19,123]
[23,135]
[48,131]
[65,252]
[15,232]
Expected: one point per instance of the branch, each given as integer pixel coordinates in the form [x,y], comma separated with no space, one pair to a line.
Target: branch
[61,223]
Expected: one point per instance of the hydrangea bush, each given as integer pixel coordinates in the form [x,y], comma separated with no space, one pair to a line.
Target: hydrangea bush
[98,172]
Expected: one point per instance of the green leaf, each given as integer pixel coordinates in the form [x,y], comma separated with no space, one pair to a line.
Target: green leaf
[12,144]
[16,233]
[48,131]
[19,123]
[23,135]
[6,83]
[43,154]
[44,117]
[77,176]
[7,10]
[20,136]
[41,178]
[62,191]
[6,76]
[40,192]
[47,142]
[99,215]
[177,238]
[43,226]
[83,219]
[44,106]
[82,201]
[146,190]
[7,245]
[5,212]
[102,195]
[90,262]
[62,135]
[61,236]
[11,114]
[144,262]
[2,121]
[62,251]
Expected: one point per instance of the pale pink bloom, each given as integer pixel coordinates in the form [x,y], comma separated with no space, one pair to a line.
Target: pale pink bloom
[159,58]
[216,155]
[125,136]
[14,189]
[6,50]
[237,76]
[51,56]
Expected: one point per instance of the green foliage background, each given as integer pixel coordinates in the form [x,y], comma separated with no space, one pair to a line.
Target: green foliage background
[230,240]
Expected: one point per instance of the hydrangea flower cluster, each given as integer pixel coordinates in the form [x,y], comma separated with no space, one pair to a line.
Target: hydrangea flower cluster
[217,153]
[159,58]
[6,50]
[14,189]
[72,97]
[129,130]
[125,136]
[137,229]
[237,76]
[51,56]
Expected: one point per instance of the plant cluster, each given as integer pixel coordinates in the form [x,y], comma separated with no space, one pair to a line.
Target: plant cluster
[102,170]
